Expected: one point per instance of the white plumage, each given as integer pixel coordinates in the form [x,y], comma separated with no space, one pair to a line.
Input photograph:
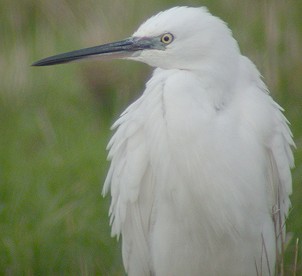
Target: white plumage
[198,159]
[200,163]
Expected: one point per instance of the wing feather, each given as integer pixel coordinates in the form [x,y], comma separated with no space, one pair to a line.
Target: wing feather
[281,161]
[131,183]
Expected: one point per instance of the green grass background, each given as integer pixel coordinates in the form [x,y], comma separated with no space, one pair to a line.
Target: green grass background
[54,121]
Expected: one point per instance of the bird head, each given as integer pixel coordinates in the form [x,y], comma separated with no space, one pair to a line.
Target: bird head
[178,38]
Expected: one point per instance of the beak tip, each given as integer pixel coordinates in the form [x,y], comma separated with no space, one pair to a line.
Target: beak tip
[35,64]
[39,63]
[48,62]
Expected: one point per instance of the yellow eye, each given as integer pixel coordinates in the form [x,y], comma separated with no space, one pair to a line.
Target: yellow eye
[167,38]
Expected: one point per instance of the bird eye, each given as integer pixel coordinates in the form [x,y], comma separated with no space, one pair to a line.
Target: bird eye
[167,38]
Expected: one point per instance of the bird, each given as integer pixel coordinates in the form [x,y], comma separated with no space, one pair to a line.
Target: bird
[200,173]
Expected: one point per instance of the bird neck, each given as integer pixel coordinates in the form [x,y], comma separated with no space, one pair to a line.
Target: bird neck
[218,81]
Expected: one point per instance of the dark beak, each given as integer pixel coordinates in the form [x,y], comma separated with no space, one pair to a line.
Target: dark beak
[120,49]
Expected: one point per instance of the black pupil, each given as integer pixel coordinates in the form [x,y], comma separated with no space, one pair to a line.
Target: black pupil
[166,38]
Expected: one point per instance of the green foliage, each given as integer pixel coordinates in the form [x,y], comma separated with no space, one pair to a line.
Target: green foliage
[54,122]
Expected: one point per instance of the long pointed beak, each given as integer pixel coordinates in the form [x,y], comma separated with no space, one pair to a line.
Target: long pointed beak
[120,49]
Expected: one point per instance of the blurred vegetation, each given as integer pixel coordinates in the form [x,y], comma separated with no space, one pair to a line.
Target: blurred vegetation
[55,121]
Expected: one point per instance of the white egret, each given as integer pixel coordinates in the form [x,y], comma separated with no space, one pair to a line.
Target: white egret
[200,163]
